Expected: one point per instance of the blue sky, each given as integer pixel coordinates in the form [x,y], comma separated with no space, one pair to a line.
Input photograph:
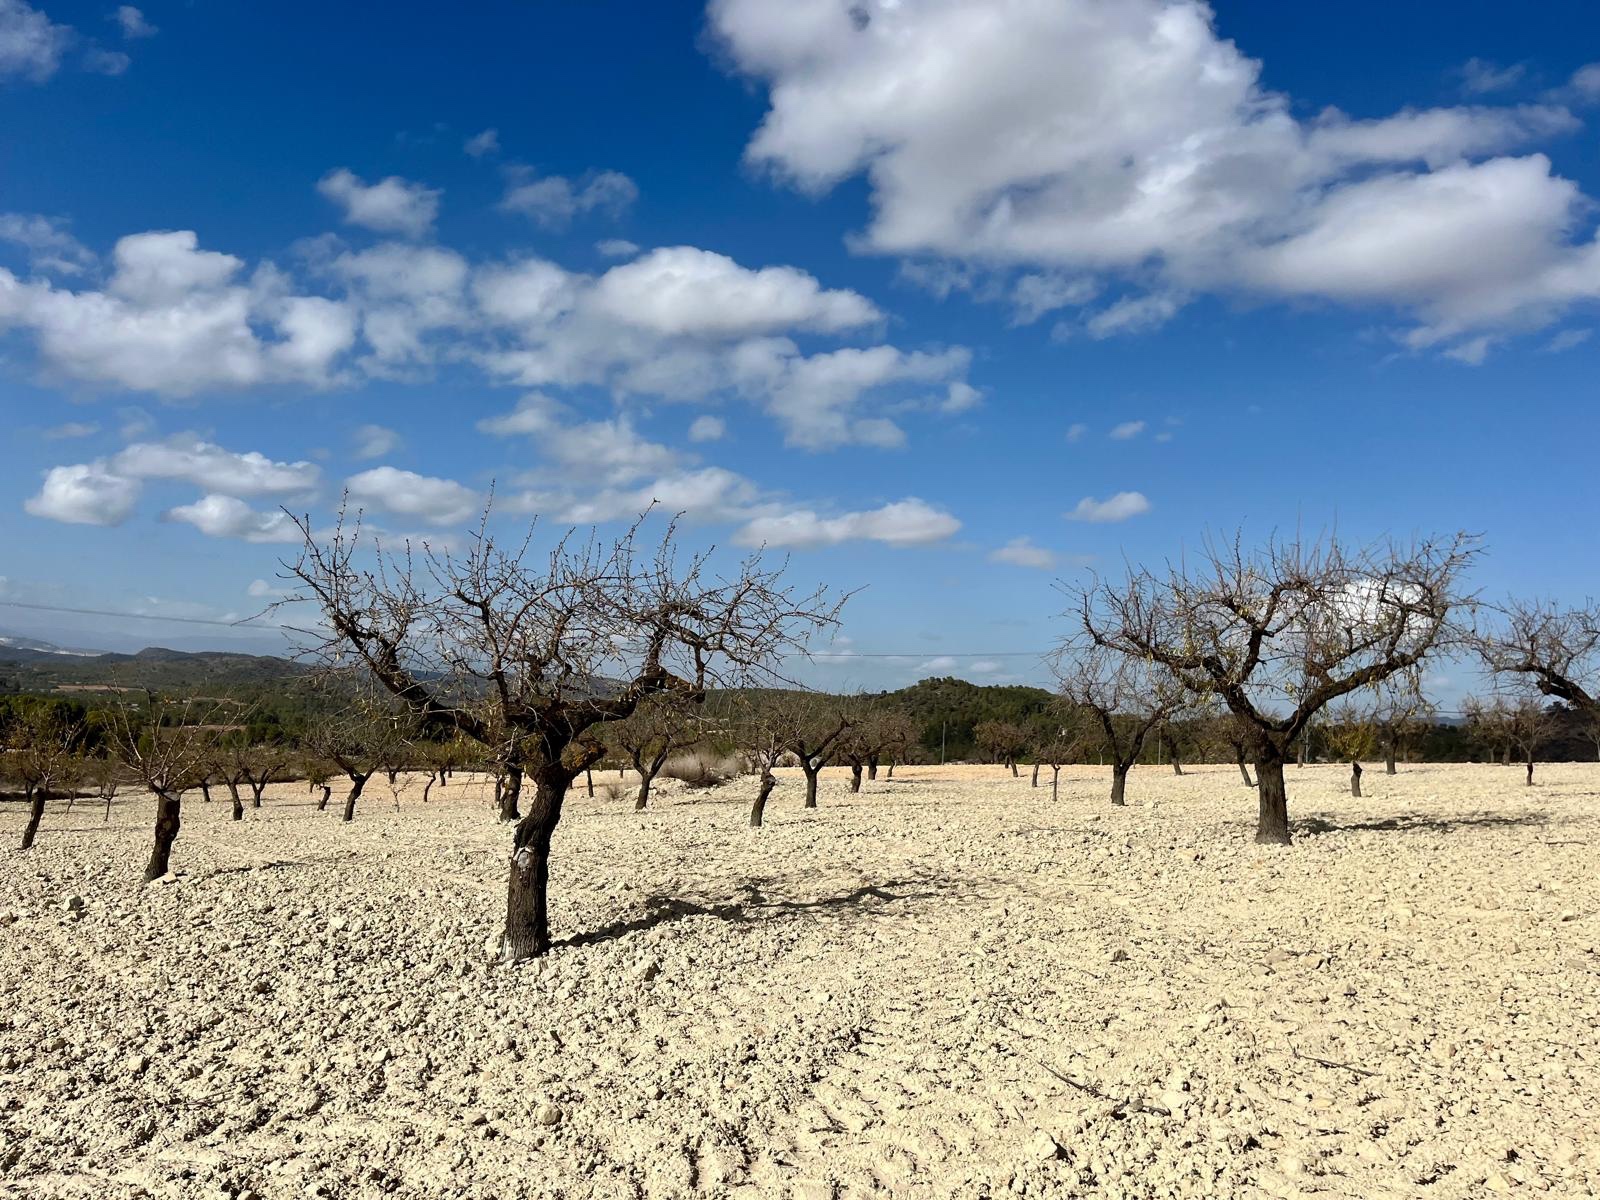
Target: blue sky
[947,299]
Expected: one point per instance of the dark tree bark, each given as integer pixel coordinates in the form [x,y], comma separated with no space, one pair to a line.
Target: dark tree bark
[1355,780]
[588,780]
[233,793]
[510,794]
[1055,783]
[811,773]
[648,773]
[855,777]
[1035,782]
[1012,763]
[35,815]
[169,806]
[205,790]
[527,931]
[1272,826]
[358,781]
[891,764]
[872,768]
[428,787]
[1528,782]
[1244,771]
[327,792]
[1389,757]
[758,810]
[1119,784]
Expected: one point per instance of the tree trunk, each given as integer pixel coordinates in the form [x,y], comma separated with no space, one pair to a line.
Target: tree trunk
[1244,771]
[1388,758]
[327,792]
[1528,782]
[855,777]
[1355,780]
[357,783]
[1055,783]
[588,779]
[256,789]
[1015,774]
[891,763]
[35,815]
[169,807]
[872,768]
[1035,782]
[1299,753]
[205,790]
[758,810]
[510,794]
[428,787]
[527,932]
[811,774]
[1272,826]
[1119,784]
[644,792]
[238,804]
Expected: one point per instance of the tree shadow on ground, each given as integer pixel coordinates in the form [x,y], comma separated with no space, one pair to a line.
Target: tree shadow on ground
[1411,822]
[753,905]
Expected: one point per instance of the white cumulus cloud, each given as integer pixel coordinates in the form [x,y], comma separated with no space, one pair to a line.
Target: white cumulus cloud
[909,522]
[1021,552]
[1114,508]
[436,501]
[1127,140]
[84,494]
[392,205]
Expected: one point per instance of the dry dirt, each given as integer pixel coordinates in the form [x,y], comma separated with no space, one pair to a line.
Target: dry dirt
[945,986]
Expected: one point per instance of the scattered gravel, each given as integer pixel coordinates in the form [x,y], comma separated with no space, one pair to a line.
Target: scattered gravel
[943,986]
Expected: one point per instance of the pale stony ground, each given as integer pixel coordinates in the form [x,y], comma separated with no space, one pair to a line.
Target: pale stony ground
[945,986]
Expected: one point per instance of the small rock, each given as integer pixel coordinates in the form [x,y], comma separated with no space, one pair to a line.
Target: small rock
[1042,1146]
[73,904]
[548,1114]
[1119,955]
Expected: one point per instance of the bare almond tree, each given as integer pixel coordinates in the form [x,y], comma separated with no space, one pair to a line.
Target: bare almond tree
[1123,699]
[812,727]
[1402,714]
[1557,649]
[44,752]
[1521,720]
[1351,733]
[487,640]
[1003,741]
[662,725]
[1280,633]
[164,745]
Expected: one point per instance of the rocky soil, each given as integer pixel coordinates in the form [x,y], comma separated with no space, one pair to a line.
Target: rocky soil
[945,986]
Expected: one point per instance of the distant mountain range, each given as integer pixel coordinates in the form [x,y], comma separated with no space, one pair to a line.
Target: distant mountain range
[31,665]
[12,641]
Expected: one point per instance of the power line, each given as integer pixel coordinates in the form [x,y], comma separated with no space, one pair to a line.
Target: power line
[246,623]
[251,623]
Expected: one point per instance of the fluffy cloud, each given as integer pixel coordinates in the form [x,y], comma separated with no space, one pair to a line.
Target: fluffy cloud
[84,494]
[554,200]
[224,516]
[105,491]
[480,144]
[1479,77]
[47,243]
[391,205]
[1021,552]
[616,248]
[174,319]
[1120,433]
[31,45]
[682,290]
[436,501]
[374,441]
[214,469]
[904,523]
[1127,139]
[1114,508]
[707,429]
[133,23]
